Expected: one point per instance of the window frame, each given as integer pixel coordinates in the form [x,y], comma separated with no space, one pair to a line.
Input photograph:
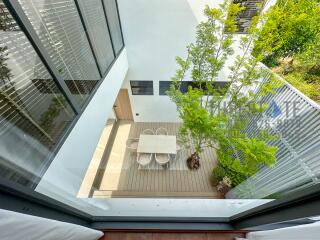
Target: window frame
[141,87]
[25,25]
[91,40]
[303,204]
[109,25]
[185,86]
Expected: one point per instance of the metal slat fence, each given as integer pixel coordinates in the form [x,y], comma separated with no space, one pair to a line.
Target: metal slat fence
[296,120]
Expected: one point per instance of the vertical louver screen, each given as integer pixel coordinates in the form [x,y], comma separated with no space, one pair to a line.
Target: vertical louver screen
[59,27]
[53,55]
[114,23]
[31,120]
[96,23]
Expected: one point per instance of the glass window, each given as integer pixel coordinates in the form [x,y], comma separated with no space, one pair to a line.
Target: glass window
[59,27]
[141,87]
[34,114]
[164,86]
[114,23]
[96,23]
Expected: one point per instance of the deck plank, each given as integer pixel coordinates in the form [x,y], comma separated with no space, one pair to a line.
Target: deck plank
[122,168]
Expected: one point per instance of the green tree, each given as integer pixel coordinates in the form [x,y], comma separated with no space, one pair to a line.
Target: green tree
[211,118]
[289,28]
[206,57]
[290,39]
[310,57]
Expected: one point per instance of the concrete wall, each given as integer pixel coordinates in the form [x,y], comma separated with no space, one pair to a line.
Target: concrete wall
[155,32]
[63,178]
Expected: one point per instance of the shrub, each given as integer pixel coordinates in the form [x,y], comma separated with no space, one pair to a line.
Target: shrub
[292,29]
[217,175]
[235,177]
[220,171]
[309,89]
[271,61]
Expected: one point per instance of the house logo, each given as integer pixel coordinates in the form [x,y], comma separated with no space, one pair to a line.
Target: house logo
[274,110]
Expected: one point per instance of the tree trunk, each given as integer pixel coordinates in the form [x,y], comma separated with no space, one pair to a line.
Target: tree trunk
[193,162]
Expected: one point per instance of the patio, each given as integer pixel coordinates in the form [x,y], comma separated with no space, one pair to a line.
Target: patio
[121,177]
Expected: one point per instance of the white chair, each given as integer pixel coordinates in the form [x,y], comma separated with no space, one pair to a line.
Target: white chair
[144,159]
[132,144]
[162,131]
[179,148]
[162,159]
[148,132]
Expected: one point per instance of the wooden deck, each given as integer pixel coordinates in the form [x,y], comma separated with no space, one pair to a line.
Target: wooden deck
[122,178]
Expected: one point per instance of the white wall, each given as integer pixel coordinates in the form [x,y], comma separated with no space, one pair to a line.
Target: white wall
[63,178]
[155,32]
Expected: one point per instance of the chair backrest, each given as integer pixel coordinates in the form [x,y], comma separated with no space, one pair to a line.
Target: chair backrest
[162,131]
[148,132]
[144,159]
[162,158]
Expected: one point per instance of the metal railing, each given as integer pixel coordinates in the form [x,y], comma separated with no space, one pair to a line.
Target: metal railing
[296,120]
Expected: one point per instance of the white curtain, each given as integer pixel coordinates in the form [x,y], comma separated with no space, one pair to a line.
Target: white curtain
[17,226]
[302,232]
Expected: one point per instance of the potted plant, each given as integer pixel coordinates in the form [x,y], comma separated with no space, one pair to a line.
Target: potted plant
[224,186]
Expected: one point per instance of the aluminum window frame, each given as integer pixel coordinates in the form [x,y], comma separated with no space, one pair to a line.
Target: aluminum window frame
[26,27]
[132,82]
[186,84]
[304,204]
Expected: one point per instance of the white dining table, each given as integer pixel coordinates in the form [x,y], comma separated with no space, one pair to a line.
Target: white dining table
[157,144]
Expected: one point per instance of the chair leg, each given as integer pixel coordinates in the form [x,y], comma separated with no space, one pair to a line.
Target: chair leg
[177,156]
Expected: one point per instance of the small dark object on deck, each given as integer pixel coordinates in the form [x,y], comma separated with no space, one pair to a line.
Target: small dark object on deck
[223,189]
[193,162]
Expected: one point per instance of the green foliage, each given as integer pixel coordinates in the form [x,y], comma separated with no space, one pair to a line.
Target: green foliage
[310,57]
[220,171]
[246,154]
[289,28]
[235,176]
[198,124]
[292,29]
[206,57]
[205,122]
[312,90]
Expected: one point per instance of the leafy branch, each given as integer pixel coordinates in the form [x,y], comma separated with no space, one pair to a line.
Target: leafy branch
[204,122]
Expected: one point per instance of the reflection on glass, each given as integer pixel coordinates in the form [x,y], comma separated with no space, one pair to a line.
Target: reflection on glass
[92,12]
[114,24]
[33,112]
[59,27]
